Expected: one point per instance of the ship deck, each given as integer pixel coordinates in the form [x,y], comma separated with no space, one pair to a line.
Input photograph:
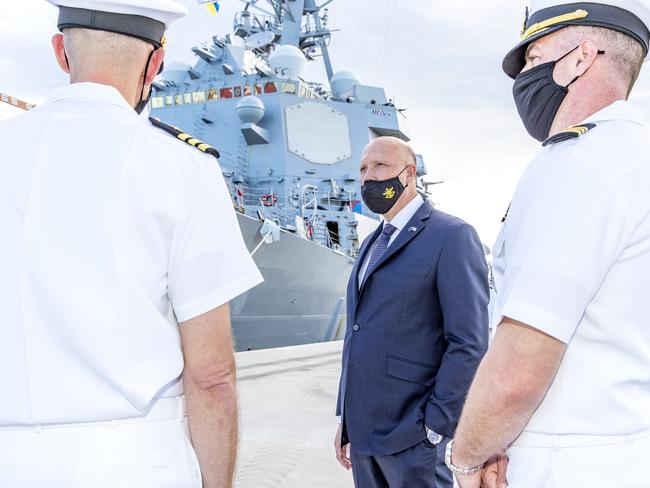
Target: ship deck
[287,403]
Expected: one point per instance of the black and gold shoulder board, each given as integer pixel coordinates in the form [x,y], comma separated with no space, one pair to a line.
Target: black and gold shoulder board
[178,133]
[570,133]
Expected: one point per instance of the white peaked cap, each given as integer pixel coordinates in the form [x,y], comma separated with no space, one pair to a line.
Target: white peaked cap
[144,19]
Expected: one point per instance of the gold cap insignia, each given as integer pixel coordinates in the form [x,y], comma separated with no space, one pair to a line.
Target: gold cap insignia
[553,21]
[523,27]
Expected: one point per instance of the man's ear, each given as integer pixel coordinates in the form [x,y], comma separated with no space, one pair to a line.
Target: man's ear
[157,59]
[414,170]
[587,53]
[59,52]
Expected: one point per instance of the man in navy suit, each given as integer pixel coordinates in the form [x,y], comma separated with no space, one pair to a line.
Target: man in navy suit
[417,330]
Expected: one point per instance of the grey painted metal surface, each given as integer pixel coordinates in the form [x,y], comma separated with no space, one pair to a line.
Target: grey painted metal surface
[299,299]
[290,151]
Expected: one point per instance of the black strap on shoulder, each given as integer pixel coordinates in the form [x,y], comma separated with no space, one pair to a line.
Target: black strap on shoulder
[188,139]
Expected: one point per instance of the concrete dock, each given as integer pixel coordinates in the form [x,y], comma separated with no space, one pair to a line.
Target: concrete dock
[287,401]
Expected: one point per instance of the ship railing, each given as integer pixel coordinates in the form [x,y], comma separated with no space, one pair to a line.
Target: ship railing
[268,202]
[253,23]
[309,198]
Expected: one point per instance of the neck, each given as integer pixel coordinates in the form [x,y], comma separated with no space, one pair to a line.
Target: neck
[127,86]
[575,109]
[404,200]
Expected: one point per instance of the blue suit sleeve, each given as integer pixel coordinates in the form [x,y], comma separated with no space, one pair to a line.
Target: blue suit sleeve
[462,282]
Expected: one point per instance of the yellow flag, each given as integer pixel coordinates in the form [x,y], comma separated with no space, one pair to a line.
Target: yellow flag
[212,8]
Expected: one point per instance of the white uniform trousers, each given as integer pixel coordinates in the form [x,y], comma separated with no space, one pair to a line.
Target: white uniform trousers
[580,461]
[146,452]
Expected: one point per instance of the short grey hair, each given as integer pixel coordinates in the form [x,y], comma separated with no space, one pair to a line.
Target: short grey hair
[624,53]
[92,49]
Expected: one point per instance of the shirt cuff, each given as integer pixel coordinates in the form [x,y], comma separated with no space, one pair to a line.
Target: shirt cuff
[538,318]
[219,296]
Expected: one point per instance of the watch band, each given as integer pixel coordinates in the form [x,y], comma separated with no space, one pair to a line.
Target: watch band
[456,469]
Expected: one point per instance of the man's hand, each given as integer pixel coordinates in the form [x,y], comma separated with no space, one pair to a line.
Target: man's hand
[471,481]
[494,472]
[342,453]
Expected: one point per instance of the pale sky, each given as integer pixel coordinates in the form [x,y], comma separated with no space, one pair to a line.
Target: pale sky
[439,59]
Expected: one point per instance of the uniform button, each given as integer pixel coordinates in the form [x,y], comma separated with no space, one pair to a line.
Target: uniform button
[356,327]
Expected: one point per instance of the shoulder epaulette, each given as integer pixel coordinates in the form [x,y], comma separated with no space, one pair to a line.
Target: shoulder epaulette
[178,133]
[570,133]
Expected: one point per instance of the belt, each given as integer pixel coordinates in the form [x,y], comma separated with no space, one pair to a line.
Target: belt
[162,409]
[559,441]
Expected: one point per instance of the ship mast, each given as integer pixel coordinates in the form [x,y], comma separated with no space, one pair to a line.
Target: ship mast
[310,36]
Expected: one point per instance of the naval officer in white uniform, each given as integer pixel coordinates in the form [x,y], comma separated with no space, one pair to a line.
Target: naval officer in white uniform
[119,254]
[566,383]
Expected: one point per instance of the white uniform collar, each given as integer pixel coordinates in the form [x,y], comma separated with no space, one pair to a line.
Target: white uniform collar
[619,110]
[403,216]
[93,92]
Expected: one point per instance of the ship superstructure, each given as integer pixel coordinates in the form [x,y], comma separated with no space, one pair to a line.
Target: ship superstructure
[290,151]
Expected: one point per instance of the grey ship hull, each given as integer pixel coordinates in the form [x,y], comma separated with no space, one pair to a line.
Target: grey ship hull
[302,299]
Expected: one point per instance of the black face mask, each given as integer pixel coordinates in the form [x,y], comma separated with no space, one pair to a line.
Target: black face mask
[380,196]
[538,97]
[139,107]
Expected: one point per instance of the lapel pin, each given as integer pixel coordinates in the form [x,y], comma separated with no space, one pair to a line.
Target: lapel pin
[412,229]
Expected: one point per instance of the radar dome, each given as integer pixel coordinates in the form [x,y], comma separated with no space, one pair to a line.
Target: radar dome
[176,72]
[343,81]
[288,61]
[250,110]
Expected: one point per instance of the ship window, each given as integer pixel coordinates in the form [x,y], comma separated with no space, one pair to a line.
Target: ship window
[248,90]
[303,90]
[288,87]
[198,96]
[270,87]
[187,97]
[179,99]
[258,88]
[237,91]
[157,102]
[213,95]
[169,100]
[226,92]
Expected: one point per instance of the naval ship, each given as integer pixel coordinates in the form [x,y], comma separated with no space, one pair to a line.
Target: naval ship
[290,151]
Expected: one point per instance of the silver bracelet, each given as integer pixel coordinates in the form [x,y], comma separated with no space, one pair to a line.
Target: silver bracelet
[456,469]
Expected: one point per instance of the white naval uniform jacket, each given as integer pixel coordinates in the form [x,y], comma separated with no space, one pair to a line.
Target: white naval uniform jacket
[108,226]
[573,260]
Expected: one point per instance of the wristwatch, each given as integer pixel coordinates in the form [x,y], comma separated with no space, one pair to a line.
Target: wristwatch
[456,469]
[433,437]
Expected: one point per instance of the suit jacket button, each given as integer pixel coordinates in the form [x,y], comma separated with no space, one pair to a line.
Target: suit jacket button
[356,327]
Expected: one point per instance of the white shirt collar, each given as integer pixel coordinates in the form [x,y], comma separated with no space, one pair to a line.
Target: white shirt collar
[619,110]
[403,216]
[93,92]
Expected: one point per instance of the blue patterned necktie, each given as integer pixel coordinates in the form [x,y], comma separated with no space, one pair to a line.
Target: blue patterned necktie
[380,245]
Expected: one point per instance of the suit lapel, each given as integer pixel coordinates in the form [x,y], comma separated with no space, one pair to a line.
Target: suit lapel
[410,230]
[363,252]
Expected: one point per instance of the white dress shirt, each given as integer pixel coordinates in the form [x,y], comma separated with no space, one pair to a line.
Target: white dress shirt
[109,227]
[399,222]
[573,260]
